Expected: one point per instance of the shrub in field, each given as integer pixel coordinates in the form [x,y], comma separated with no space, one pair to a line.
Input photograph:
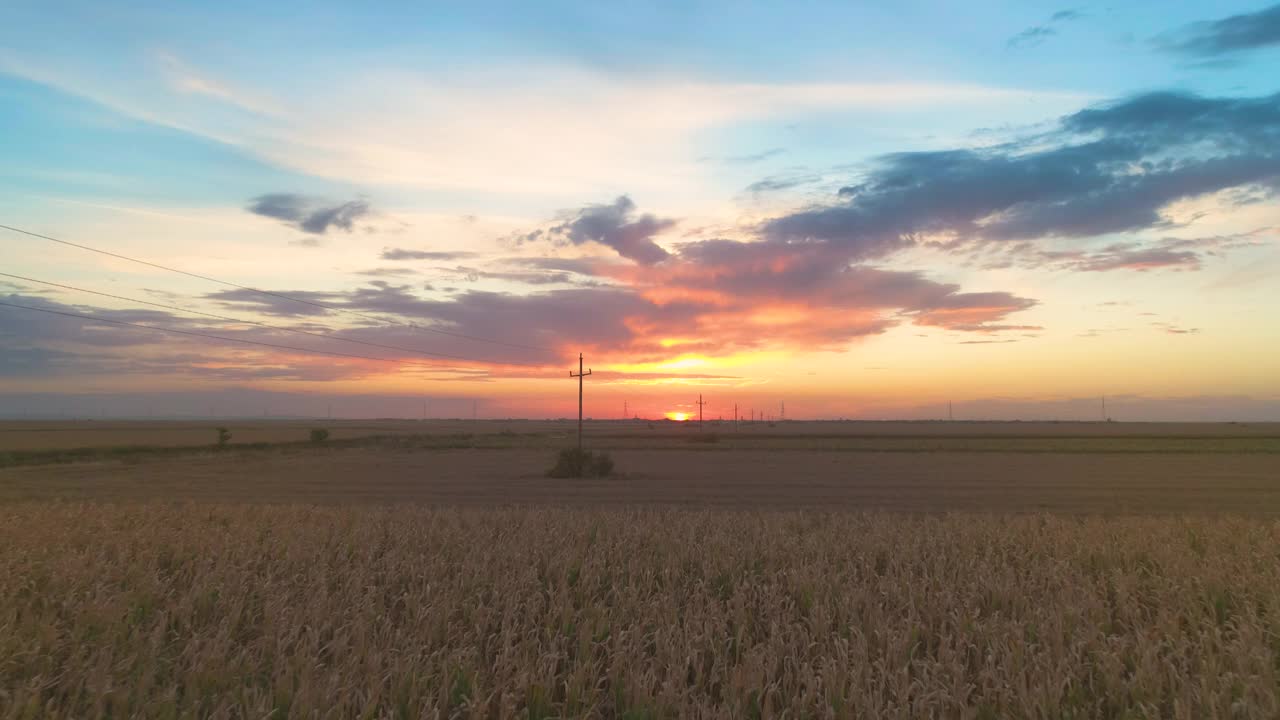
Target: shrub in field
[319,436]
[573,463]
[224,436]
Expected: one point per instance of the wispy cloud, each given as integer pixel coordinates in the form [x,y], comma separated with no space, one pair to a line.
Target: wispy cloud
[1037,34]
[1227,36]
[441,255]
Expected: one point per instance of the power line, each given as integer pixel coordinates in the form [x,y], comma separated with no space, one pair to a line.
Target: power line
[210,336]
[325,336]
[269,293]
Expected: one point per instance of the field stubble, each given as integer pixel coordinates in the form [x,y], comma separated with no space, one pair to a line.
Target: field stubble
[168,610]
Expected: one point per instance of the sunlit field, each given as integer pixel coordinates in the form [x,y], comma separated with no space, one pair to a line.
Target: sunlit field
[189,610]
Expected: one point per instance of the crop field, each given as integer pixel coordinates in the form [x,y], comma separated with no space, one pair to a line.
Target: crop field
[210,610]
[804,570]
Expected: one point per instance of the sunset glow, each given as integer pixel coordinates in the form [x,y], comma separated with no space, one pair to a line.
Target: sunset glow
[677,416]
[1017,222]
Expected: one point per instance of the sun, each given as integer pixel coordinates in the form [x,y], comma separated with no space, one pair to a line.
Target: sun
[677,416]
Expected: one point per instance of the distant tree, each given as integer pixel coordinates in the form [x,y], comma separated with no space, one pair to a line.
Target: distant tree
[224,436]
[319,436]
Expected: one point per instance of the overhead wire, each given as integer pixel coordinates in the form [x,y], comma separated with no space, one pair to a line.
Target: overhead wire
[193,333]
[280,328]
[269,293]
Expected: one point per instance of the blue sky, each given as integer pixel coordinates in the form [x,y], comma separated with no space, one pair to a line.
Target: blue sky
[507,136]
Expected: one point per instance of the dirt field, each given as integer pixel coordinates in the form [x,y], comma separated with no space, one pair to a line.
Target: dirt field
[41,435]
[1018,467]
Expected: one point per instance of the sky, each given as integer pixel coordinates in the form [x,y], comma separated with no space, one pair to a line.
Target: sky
[862,210]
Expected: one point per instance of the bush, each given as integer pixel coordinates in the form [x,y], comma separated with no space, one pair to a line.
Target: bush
[581,463]
[224,436]
[319,436]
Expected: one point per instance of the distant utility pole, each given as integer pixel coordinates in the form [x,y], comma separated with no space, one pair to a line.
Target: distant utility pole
[735,416]
[700,404]
[624,410]
[951,416]
[783,414]
[580,376]
[1104,408]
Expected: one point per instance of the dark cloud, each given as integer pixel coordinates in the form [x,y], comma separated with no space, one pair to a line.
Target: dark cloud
[1247,31]
[617,226]
[309,215]
[1164,121]
[404,254]
[1109,169]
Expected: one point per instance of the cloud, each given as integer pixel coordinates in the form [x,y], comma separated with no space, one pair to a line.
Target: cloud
[579,128]
[1119,257]
[404,254]
[779,183]
[387,272]
[309,214]
[748,159]
[616,226]
[1228,36]
[1037,34]
[1108,169]
[1172,329]
[1031,37]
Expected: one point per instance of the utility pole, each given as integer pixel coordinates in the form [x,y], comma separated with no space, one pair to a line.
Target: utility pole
[700,404]
[624,410]
[1104,408]
[580,375]
[735,416]
[951,416]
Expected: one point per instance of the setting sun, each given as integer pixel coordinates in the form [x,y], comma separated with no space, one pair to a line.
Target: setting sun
[677,416]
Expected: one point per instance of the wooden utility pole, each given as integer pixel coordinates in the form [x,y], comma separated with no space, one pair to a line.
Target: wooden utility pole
[700,404]
[580,374]
[735,416]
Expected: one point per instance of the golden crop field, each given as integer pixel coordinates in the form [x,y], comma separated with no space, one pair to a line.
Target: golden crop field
[255,611]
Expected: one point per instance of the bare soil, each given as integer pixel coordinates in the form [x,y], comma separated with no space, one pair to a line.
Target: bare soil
[1124,483]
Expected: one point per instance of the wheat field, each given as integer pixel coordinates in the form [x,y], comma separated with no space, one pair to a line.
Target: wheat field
[255,611]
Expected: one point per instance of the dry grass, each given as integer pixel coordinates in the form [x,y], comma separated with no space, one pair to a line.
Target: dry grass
[271,611]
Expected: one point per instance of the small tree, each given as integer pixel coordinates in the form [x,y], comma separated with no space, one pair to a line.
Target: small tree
[319,436]
[224,436]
